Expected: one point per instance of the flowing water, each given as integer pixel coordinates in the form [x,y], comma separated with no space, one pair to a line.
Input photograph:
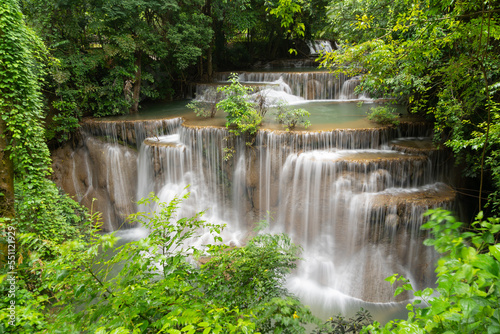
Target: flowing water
[351,195]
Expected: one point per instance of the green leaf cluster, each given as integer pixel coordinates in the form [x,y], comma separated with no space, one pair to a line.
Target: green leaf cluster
[20,98]
[241,115]
[383,115]
[252,278]
[467,295]
[290,118]
[342,325]
[158,284]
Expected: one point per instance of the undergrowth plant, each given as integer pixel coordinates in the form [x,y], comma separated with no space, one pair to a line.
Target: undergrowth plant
[383,115]
[340,324]
[252,278]
[242,116]
[290,118]
[466,299]
[157,284]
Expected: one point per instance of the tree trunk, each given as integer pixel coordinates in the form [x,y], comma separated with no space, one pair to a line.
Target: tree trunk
[6,176]
[136,93]
[209,63]
[207,10]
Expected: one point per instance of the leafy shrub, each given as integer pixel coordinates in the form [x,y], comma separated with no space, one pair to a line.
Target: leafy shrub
[252,278]
[467,295]
[340,325]
[49,213]
[158,289]
[64,121]
[290,118]
[242,117]
[383,115]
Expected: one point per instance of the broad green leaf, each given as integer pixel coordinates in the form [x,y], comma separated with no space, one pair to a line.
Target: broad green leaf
[495,251]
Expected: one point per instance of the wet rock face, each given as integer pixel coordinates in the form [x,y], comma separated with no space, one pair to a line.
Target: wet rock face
[414,145]
[62,165]
[128,132]
[392,221]
[101,176]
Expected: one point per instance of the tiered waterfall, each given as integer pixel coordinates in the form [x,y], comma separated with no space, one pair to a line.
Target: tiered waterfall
[353,199]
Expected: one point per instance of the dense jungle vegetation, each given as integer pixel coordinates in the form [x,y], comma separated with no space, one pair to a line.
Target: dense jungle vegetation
[62,60]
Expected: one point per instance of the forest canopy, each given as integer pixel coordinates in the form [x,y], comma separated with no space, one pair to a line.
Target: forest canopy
[441,59]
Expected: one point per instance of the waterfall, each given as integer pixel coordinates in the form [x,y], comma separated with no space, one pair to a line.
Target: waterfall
[318,46]
[348,207]
[348,93]
[352,198]
[338,194]
[313,85]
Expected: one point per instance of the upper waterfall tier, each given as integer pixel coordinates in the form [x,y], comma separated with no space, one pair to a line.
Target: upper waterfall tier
[317,47]
[129,132]
[312,85]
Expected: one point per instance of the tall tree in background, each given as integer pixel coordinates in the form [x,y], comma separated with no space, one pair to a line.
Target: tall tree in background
[113,53]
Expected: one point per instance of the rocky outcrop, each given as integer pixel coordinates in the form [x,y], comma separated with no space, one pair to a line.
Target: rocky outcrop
[101,176]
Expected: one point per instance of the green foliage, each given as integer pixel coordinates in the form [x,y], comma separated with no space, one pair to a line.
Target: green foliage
[287,11]
[341,325]
[39,206]
[383,115]
[155,288]
[290,118]
[242,117]
[284,315]
[64,122]
[251,278]
[467,295]
[44,217]
[469,142]
[272,257]
[108,55]
[439,58]
[20,98]
[39,229]
[152,286]
[53,216]
[28,308]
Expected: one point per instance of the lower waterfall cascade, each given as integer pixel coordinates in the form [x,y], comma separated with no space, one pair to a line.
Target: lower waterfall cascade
[353,199]
[352,196]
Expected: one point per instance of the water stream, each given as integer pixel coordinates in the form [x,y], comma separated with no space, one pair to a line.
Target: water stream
[351,194]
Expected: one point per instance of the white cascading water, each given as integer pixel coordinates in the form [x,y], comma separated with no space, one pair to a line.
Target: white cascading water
[355,212]
[318,46]
[314,85]
[344,207]
[192,161]
[348,90]
[353,199]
